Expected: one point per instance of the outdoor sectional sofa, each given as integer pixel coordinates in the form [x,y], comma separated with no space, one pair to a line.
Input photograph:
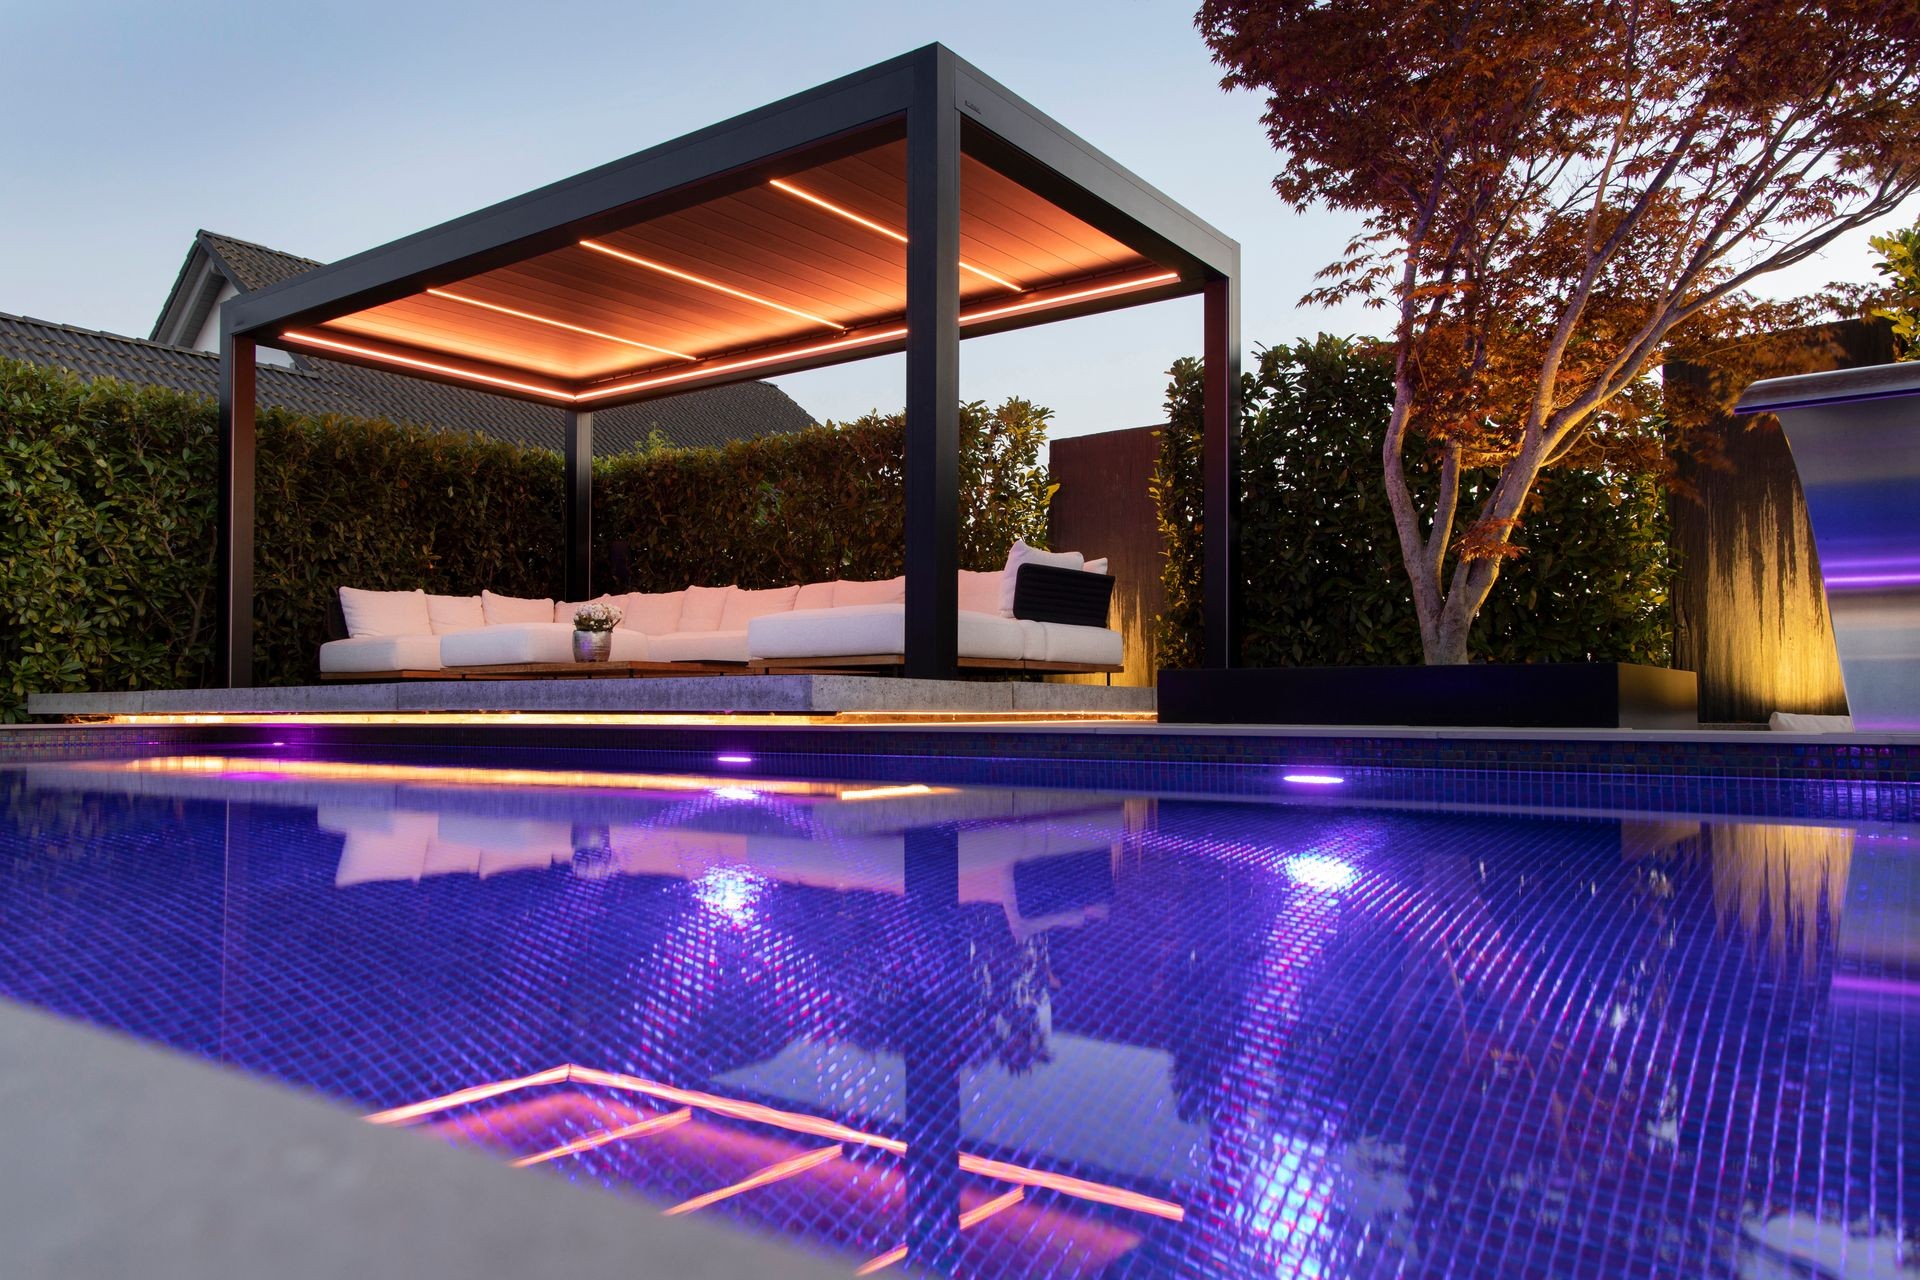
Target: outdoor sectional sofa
[1044,612]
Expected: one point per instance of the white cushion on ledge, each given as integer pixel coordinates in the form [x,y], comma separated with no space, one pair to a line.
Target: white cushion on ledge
[860,630]
[385,613]
[529,642]
[702,646]
[512,610]
[455,613]
[653,612]
[1062,642]
[380,653]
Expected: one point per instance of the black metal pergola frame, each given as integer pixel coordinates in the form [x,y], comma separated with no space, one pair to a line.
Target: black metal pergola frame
[941,103]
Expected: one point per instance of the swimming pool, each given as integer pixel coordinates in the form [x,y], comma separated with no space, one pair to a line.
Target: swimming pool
[1350,1027]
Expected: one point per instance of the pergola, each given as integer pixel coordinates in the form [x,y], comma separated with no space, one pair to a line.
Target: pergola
[903,207]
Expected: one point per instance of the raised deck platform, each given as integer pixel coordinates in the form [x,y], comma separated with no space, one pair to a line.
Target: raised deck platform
[787,694]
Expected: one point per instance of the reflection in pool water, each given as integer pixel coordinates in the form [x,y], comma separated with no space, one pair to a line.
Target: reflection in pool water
[1021,1032]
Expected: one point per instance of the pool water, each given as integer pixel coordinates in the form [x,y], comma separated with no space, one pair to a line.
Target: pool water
[1020,1032]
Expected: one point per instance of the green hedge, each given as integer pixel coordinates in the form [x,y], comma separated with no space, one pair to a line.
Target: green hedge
[809,506]
[107,513]
[1321,582]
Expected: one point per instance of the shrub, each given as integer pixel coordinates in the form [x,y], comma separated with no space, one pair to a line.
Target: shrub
[813,505]
[107,519]
[1320,579]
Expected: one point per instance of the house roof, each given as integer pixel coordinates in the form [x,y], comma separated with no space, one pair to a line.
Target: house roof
[697,419]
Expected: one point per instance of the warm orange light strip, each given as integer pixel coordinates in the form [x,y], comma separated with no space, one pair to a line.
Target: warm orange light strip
[788,353]
[979,1213]
[478,1093]
[1054,300]
[775,357]
[559,324]
[1099,1192]
[796,1122]
[469,375]
[454,775]
[844,212]
[772,1173]
[750,1111]
[867,339]
[705,283]
[624,718]
[655,1124]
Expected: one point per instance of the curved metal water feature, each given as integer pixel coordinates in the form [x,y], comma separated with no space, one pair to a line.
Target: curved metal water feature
[1855,437]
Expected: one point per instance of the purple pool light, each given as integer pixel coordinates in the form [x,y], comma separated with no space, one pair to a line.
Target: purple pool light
[733,759]
[1313,779]
[1319,871]
[736,793]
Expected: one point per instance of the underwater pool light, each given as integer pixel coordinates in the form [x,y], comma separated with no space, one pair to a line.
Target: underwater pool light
[733,759]
[1313,779]
[1318,871]
[735,793]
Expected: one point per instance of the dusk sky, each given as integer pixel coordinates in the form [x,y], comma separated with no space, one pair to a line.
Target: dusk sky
[328,128]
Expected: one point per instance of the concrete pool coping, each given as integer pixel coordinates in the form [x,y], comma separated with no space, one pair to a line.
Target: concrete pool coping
[130,1159]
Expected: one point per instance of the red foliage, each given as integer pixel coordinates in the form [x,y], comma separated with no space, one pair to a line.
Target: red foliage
[1555,192]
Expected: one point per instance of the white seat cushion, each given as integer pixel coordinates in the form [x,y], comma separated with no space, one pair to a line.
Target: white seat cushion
[872,629]
[1061,642]
[654,612]
[381,653]
[514,610]
[529,642]
[814,595]
[880,591]
[385,613]
[455,613]
[702,646]
[701,607]
[980,592]
[742,607]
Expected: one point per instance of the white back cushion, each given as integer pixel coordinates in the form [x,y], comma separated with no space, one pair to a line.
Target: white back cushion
[980,592]
[563,610]
[502,610]
[701,609]
[654,612]
[1096,566]
[742,607]
[455,613]
[814,595]
[1020,553]
[385,613]
[883,591]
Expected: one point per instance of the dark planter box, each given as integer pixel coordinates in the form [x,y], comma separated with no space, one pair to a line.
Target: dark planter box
[1546,695]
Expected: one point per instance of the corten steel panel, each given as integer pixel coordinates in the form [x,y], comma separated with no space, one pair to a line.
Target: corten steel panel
[1855,437]
[580,313]
[1749,612]
[1105,507]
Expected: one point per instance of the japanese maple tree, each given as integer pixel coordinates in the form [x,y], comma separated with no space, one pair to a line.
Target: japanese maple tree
[1554,193]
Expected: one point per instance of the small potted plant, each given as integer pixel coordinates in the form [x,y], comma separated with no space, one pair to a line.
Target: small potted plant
[593,626]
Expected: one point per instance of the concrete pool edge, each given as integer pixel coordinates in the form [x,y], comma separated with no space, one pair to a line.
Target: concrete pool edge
[148,1161]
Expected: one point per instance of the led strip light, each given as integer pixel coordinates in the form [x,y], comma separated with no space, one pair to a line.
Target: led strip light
[451,296]
[792,1121]
[705,283]
[773,357]
[822,202]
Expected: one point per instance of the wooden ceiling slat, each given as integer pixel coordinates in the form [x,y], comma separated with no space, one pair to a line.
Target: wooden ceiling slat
[759,240]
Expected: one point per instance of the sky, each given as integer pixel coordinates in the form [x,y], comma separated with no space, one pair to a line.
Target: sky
[324,129]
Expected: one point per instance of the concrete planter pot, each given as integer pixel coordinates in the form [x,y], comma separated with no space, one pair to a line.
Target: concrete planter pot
[592,646]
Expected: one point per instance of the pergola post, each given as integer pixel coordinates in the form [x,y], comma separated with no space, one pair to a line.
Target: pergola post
[579,506]
[1219,455]
[235,533]
[933,374]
